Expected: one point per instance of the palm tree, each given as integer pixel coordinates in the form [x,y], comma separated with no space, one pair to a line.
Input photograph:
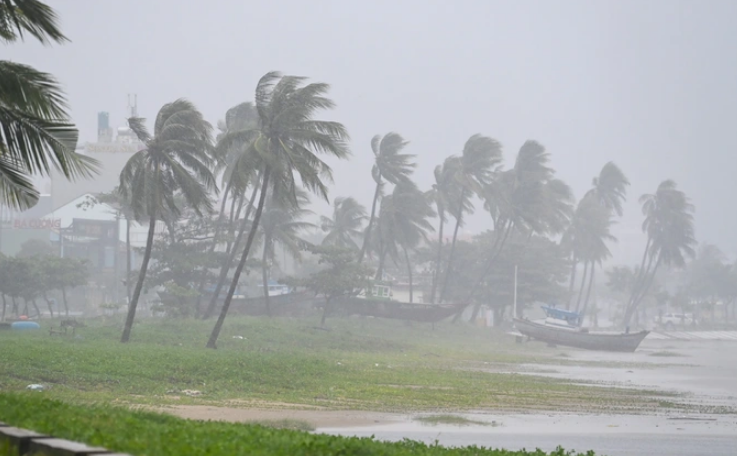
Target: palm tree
[176,159]
[609,190]
[446,198]
[390,165]
[237,175]
[403,222]
[282,223]
[670,237]
[284,145]
[588,238]
[527,198]
[36,133]
[345,226]
[472,173]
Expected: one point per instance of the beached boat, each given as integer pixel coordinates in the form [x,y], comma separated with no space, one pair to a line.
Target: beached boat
[580,337]
[384,308]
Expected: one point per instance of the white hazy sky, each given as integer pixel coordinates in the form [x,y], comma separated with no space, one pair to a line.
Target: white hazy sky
[650,85]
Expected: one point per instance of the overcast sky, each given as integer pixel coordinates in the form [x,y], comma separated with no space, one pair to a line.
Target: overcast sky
[650,85]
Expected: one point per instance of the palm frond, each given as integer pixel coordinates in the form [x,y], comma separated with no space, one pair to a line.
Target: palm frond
[32,16]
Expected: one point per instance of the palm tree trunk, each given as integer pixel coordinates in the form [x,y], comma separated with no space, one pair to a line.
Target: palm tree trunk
[265,276]
[438,259]
[212,342]
[35,307]
[15,305]
[583,284]
[367,234]
[449,268]
[409,273]
[225,268]
[5,305]
[496,249]
[588,291]
[640,296]
[640,276]
[215,240]
[128,258]
[64,298]
[571,284]
[139,285]
[380,269]
[48,303]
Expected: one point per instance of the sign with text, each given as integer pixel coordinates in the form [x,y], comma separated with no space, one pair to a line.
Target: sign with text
[36,224]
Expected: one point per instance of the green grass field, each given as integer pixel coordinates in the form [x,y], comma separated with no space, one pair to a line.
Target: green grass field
[360,364]
[95,384]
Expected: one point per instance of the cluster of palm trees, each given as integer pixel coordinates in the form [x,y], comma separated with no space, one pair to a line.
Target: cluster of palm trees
[267,159]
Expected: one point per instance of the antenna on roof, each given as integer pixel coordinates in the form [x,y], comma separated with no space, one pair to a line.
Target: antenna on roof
[133,107]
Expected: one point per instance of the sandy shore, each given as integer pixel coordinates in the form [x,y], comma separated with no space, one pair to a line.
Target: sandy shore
[316,418]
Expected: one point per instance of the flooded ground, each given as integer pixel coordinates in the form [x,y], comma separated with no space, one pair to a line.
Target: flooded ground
[702,373]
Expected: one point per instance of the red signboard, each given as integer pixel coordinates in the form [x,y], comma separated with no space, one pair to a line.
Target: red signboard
[37,224]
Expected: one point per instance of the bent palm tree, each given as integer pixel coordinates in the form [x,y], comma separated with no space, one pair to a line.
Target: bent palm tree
[175,160]
[390,165]
[472,173]
[345,226]
[36,134]
[404,224]
[284,146]
[670,237]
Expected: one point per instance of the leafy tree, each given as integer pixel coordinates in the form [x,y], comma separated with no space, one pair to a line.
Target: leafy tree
[345,226]
[36,133]
[472,173]
[342,277]
[284,146]
[527,199]
[175,159]
[403,223]
[541,265]
[670,237]
[390,165]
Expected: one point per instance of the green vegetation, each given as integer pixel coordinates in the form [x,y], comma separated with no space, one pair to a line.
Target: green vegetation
[360,364]
[142,433]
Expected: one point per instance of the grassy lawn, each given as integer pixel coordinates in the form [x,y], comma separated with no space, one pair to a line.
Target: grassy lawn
[360,364]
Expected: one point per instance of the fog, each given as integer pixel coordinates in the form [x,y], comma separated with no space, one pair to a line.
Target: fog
[651,86]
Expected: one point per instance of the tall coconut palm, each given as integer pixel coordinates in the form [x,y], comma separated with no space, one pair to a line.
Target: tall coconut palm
[390,165]
[587,236]
[404,224]
[237,174]
[345,225]
[445,196]
[527,198]
[670,237]
[36,133]
[176,159]
[282,223]
[609,190]
[472,172]
[285,145]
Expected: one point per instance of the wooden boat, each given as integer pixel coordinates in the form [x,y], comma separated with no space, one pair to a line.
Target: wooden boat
[380,308]
[580,337]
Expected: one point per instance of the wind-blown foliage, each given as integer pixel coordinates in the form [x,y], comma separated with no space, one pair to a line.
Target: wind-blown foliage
[670,237]
[36,134]
[175,160]
[285,147]
[390,165]
[344,228]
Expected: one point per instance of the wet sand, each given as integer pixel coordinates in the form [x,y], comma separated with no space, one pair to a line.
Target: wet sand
[702,372]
